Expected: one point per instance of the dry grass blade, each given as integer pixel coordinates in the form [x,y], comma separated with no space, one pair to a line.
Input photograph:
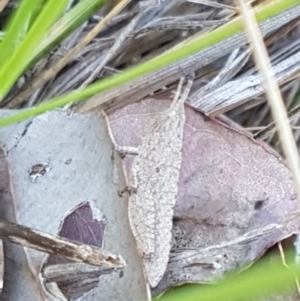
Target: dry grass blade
[168,75]
[51,72]
[3,4]
[212,3]
[272,91]
[119,41]
[56,245]
[266,131]
[1,266]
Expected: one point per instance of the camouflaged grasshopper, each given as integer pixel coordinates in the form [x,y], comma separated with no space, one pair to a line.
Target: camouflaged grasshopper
[152,184]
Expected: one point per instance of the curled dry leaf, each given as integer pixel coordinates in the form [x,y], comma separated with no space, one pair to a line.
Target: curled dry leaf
[235,196]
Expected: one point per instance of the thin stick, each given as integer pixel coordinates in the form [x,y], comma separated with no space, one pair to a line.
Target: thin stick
[76,270]
[56,245]
[51,72]
[1,265]
[276,103]
[282,255]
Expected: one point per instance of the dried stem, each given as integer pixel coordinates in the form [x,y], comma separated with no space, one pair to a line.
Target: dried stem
[276,103]
[56,245]
[75,270]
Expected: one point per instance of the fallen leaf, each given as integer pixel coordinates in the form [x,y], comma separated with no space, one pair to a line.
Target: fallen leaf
[235,196]
[80,169]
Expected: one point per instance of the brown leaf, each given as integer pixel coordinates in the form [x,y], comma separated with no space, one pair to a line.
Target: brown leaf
[231,188]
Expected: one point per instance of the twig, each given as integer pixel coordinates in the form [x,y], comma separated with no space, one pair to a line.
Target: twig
[276,103]
[56,245]
[76,270]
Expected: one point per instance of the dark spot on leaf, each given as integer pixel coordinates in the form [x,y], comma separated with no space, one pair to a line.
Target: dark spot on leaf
[38,170]
[258,204]
[294,196]
[68,162]
[122,154]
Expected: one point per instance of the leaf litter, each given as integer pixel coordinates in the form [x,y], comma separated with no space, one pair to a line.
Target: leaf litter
[157,33]
[235,195]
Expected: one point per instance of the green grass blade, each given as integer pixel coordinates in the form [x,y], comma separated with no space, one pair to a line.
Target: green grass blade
[273,8]
[17,27]
[67,24]
[266,278]
[18,62]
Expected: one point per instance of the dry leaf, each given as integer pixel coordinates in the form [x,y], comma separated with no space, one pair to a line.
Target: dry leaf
[80,169]
[231,188]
